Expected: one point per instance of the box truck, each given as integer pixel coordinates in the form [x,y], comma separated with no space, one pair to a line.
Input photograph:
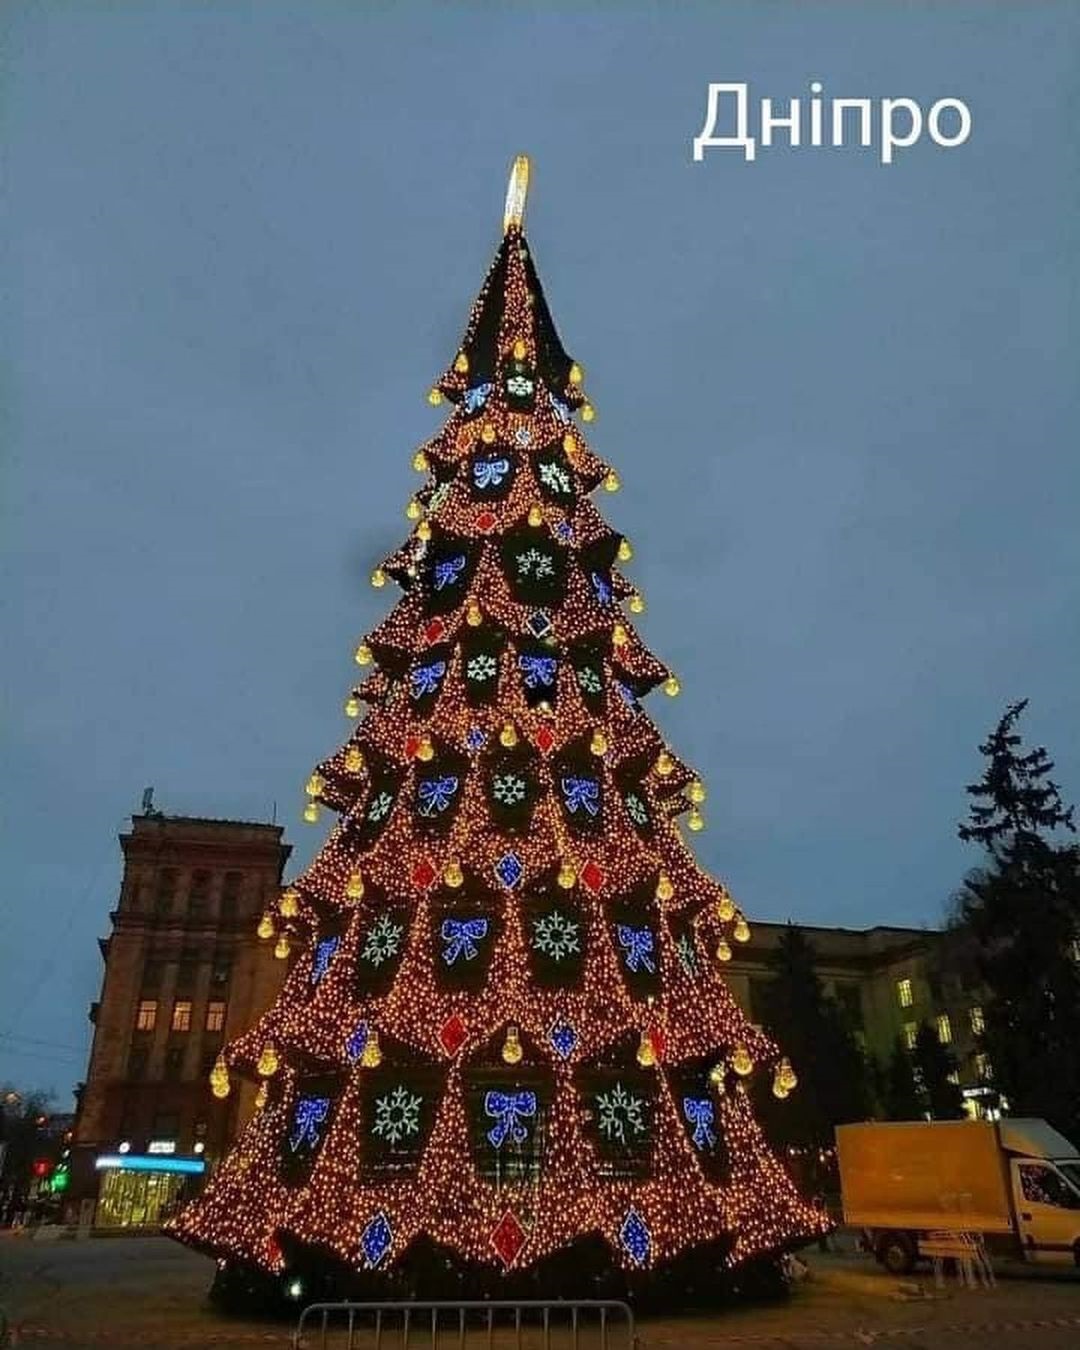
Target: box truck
[1016,1183]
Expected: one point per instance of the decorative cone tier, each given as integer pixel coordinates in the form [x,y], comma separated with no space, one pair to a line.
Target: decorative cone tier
[505,1038]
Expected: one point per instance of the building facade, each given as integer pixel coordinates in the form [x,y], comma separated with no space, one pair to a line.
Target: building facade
[184,973]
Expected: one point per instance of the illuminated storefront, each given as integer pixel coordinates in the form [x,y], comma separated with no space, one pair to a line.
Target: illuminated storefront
[142,1189]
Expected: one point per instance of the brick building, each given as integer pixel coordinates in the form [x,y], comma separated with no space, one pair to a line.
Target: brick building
[184,972]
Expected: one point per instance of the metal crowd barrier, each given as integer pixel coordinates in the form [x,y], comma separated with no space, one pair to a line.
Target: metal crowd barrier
[345,1324]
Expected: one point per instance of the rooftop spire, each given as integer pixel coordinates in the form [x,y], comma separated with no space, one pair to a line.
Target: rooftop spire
[514,214]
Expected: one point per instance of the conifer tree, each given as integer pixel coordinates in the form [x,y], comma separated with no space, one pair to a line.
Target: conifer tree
[505,1039]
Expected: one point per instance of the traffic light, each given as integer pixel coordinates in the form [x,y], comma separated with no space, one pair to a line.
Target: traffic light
[41,1167]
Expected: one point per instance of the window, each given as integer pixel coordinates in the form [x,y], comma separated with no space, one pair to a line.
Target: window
[166,891]
[146,1017]
[181,1015]
[978,1024]
[954,1077]
[137,1062]
[1043,1186]
[186,972]
[903,993]
[222,968]
[199,895]
[174,1063]
[166,1125]
[982,1068]
[215,1015]
[151,975]
[850,999]
[944,1028]
[230,895]
[911,1031]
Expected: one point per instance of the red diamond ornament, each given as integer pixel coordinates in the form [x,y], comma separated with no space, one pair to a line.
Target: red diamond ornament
[659,1043]
[592,874]
[412,744]
[486,522]
[545,739]
[434,631]
[508,1238]
[423,874]
[453,1034]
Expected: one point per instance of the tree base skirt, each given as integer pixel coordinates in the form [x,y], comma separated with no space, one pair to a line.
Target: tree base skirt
[699,1278]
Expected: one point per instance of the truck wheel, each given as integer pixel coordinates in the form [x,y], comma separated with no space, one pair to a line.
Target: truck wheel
[896,1252]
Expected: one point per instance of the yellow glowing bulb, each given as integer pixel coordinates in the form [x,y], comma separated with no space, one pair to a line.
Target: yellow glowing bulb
[474,616]
[625,551]
[646,1051]
[315,785]
[696,791]
[453,875]
[671,686]
[665,765]
[723,950]
[219,1078]
[588,412]
[423,531]
[425,750]
[289,903]
[354,887]
[611,481]
[261,1096]
[512,1051]
[779,1090]
[576,374]
[567,877]
[598,745]
[268,1062]
[487,434]
[637,604]
[352,706]
[519,350]
[741,1061]
[786,1075]
[420,462]
[726,908]
[619,635]
[281,947]
[461,363]
[508,736]
[414,510]
[378,578]
[695,820]
[371,1057]
[570,445]
[536,516]
[434,397]
[741,931]
[354,759]
[664,889]
[311,812]
[363,655]
[266,927]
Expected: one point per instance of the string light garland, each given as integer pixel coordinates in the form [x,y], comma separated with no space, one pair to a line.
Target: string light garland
[504,936]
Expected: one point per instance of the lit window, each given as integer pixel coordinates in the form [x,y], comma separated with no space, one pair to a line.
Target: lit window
[146,1017]
[911,1031]
[181,1015]
[978,1025]
[982,1067]
[215,1015]
[954,1077]
[944,1029]
[903,993]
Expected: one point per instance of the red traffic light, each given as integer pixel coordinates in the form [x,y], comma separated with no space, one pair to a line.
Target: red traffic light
[41,1167]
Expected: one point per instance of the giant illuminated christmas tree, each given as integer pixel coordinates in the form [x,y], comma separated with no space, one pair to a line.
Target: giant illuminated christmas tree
[505,1042]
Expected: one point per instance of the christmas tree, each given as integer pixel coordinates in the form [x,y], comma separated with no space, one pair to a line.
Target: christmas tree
[504,1046]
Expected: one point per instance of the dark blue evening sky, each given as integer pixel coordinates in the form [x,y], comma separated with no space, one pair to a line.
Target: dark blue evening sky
[242,240]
